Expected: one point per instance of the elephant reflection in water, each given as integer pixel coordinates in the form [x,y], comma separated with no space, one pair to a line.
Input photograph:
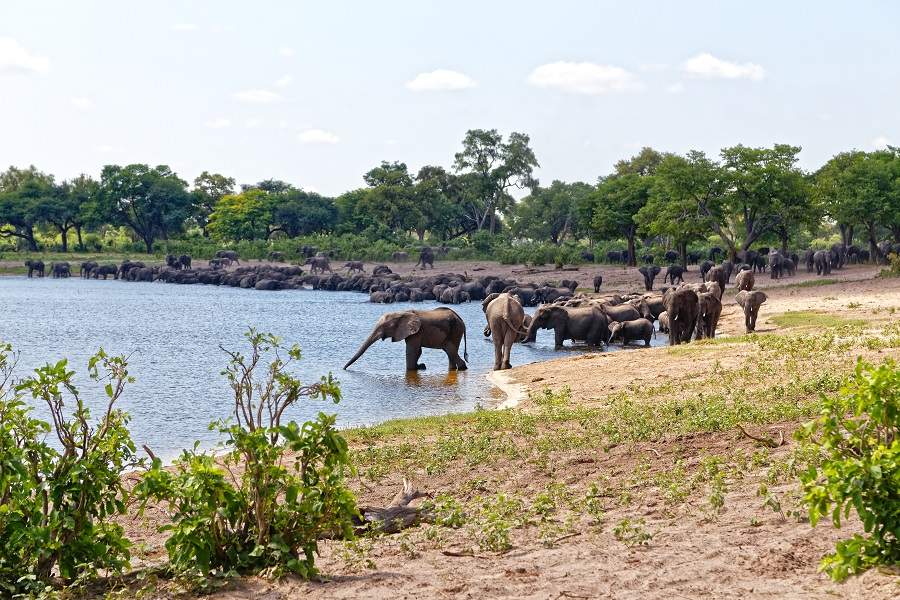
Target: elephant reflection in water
[414,379]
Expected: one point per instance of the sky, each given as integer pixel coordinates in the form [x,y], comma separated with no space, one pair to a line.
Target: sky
[318,93]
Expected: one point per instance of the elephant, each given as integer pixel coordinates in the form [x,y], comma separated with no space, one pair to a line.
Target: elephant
[750,302]
[308,251]
[598,281]
[548,294]
[217,263]
[439,328]
[839,256]
[380,270]
[229,254]
[648,259]
[651,307]
[714,253]
[569,283]
[587,323]
[528,296]
[454,295]
[717,274]
[172,261]
[663,322]
[674,272]
[621,312]
[86,268]
[683,308]
[104,271]
[379,297]
[60,269]
[745,280]
[276,256]
[127,266]
[627,331]
[705,266]
[789,266]
[649,274]
[671,256]
[354,265]
[729,268]
[400,256]
[822,263]
[505,320]
[587,256]
[185,260]
[809,259]
[35,266]
[776,264]
[426,257]
[318,263]
[708,317]
[694,257]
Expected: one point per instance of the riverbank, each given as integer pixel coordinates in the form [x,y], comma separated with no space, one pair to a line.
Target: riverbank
[621,475]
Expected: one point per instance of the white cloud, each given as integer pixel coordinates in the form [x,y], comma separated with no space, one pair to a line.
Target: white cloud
[583,78]
[219,123]
[284,81]
[391,142]
[106,148]
[675,88]
[707,66]
[286,52]
[185,27]
[14,57]
[318,136]
[881,142]
[258,96]
[82,103]
[440,80]
[653,67]
[253,122]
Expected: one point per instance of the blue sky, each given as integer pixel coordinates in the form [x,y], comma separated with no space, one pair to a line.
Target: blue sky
[317,93]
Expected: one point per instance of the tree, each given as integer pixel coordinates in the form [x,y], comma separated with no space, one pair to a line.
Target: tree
[490,168]
[296,212]
[209,188]
[349,218]
[759,183]
[390,199]
[436,194]
[244,216]
[23,193]
[872,185]
[85,195]
[681,184]
[152,202]
[551,213]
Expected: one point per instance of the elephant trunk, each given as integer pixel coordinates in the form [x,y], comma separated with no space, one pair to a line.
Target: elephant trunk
[373,337]
[531,332]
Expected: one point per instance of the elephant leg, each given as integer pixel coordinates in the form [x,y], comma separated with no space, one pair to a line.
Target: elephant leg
[559,336]
[498,352]
[508,342]
[455,362]
[413,353]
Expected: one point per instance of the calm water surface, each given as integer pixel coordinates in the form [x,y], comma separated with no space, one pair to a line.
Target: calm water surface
[173,334]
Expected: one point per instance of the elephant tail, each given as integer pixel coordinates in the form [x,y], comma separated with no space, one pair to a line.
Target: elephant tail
[514,328]
[465,346]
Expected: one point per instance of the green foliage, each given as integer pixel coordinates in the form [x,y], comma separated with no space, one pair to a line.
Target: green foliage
[58,504]
[263,506]
[632,532]
[858,433]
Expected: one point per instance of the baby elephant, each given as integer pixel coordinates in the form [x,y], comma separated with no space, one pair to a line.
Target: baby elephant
[598,281]
[639,329]
[750,302]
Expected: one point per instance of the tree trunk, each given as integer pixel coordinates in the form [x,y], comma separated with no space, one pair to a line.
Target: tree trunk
[784,242]
[846,234]
[64,234]
[873,243]
[632,259]
[148,241]
[78,235]
[682,250]
[421,234]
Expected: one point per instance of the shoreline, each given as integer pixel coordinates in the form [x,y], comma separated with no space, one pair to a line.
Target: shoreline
[515,392]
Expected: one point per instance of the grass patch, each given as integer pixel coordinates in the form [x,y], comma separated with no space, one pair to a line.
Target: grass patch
[812,283]
[811,318]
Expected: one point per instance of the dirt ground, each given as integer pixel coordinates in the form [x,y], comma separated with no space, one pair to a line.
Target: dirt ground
[745,551]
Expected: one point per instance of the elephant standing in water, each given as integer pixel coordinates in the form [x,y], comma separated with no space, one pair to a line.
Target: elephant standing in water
[682,308]
[35,266]
[750,302]
[506,320]
[439,328]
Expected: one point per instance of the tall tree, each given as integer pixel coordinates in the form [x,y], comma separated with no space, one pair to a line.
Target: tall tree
[681,184]
[390,198]
[491,168]
[23,194]
[152,202]
[244,216]
[296,212]
[436,194]
[551,213]
[209,188]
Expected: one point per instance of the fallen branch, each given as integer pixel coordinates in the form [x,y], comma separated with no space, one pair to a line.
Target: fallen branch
[396,516]
[565,537]
[771,443]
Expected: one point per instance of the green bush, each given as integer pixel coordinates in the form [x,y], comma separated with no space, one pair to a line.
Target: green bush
[858,435]
[279,488]
[57,505]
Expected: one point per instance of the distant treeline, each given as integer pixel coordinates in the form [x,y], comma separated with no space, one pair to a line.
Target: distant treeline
[651,202]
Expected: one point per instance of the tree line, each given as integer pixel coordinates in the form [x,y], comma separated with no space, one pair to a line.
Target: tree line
[743,196]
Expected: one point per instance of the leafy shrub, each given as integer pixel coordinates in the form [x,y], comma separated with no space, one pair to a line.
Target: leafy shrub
[57,505]
[893,269]
[858,435]
[263,506]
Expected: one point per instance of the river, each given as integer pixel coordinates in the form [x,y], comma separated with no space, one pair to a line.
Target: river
[173,335]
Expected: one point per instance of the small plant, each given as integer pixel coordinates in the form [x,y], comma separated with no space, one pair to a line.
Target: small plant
[498,517]
[445,511]
[859,434]
[631,532]
[280,487]
[356,554]
[853,305]
[717,491]
[593,505]
[58,505]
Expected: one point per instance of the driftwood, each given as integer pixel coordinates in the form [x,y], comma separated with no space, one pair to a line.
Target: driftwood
[397,515]
[770,442]
[533,271]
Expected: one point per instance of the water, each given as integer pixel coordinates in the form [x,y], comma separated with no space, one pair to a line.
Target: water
[173,333]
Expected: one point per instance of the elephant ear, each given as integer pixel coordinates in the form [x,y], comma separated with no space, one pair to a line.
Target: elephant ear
[408,323]
[762,297]
[642,270]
